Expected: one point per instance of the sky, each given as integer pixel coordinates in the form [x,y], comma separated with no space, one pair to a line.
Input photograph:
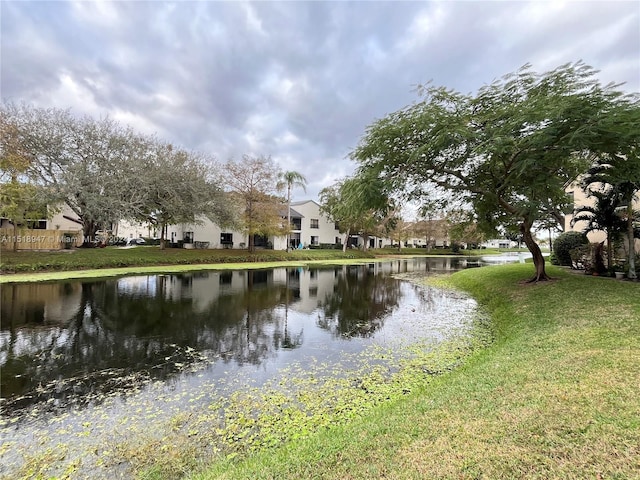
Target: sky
[296,81]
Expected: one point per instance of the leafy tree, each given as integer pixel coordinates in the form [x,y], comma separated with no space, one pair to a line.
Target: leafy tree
[431,225]
[332,205]
[21,203]
[360,205]
[431,229]
[509,150]
[87,164]
[401,231]
[20,200]
[14,158]
[291,179]
[254,182]
[180,187]
[462,227]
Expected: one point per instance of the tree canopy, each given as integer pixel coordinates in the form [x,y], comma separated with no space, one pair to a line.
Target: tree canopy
[86,163]
[180,187]
[253,181]
[508,150]
[21,200]
[106,172]
[359,204]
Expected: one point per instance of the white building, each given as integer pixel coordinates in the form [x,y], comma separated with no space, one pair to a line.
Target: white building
[499,243]
[309,227]
[201,235]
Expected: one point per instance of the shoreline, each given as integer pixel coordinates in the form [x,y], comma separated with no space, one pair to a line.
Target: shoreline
[45,276]
[160,269]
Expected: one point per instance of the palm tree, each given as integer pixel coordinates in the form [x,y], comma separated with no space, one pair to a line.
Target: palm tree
[291,179]
[622,174]
[603,216]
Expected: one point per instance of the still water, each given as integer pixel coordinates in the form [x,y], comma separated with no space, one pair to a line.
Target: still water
[70,349]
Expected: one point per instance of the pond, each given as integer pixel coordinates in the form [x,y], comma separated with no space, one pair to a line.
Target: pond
[85,361]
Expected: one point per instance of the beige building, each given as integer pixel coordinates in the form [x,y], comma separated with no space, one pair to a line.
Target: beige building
[63,219]
[62,230]
[580,198]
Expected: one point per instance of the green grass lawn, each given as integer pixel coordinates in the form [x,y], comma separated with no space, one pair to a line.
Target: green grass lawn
[555,396]
[143,256]
[114,257]
[94,262]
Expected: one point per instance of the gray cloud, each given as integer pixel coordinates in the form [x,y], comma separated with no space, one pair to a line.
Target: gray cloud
[299,81]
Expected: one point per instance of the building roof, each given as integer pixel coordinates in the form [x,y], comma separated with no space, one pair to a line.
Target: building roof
[294,213]
[302,202]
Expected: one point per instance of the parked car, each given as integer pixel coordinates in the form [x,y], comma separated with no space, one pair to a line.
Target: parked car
[136,241]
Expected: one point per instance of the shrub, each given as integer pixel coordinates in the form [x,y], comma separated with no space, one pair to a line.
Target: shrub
[566,242]
[326,246]
[151,241]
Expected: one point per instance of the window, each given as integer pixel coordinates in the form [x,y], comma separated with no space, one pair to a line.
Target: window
[37,224]
[336,226]
[571,205]
[188,237]
[315,223]
[226,240]
[314,240]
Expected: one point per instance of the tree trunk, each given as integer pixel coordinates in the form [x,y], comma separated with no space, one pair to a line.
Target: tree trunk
[538,259]
[289,217]
[632,250]
[15,236]
[365,245]
[346,241]
[162,239]
[250,239]
[609,252]
[89,229]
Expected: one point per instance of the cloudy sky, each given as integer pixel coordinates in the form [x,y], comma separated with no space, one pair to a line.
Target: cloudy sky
[298,81]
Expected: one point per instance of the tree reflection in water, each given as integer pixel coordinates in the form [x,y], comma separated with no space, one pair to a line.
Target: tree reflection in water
[360,299]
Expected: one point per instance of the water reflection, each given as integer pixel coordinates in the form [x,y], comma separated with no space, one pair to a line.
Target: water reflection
[71,342]
[360,298]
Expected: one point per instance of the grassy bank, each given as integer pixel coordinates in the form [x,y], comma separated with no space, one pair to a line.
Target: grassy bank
[98,262]
[555,396]
[114,257]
